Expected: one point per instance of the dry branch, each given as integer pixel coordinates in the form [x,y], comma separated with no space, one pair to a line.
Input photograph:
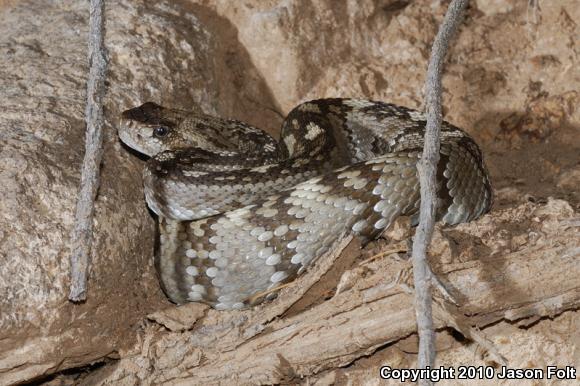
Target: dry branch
[428,178]
[82,235]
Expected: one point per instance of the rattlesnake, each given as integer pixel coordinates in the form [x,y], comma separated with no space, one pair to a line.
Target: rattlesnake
[240,213]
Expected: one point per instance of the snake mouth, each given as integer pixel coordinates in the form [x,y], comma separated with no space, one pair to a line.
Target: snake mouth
[129,134]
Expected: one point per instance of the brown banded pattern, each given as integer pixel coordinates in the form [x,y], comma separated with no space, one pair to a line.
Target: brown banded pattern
[240,213]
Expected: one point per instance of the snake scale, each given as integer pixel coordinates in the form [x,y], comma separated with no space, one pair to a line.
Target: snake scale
[241,213]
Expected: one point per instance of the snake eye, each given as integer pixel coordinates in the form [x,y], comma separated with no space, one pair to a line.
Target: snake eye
[160,131]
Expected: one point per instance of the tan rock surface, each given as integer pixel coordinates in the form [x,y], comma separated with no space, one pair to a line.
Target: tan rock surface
[157,52]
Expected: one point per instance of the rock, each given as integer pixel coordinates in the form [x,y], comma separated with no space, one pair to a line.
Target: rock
[179,318]
[157,51]
[308,49]
[570,179]
[493,7]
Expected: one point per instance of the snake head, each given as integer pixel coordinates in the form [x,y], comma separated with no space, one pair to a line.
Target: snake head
[151,128]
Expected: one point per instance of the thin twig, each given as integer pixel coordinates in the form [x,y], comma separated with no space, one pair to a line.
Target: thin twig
[381,254]
[427,168]
[82,233]
[451,317]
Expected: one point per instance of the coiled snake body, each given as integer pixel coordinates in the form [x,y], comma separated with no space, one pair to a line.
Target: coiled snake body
[240,213]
